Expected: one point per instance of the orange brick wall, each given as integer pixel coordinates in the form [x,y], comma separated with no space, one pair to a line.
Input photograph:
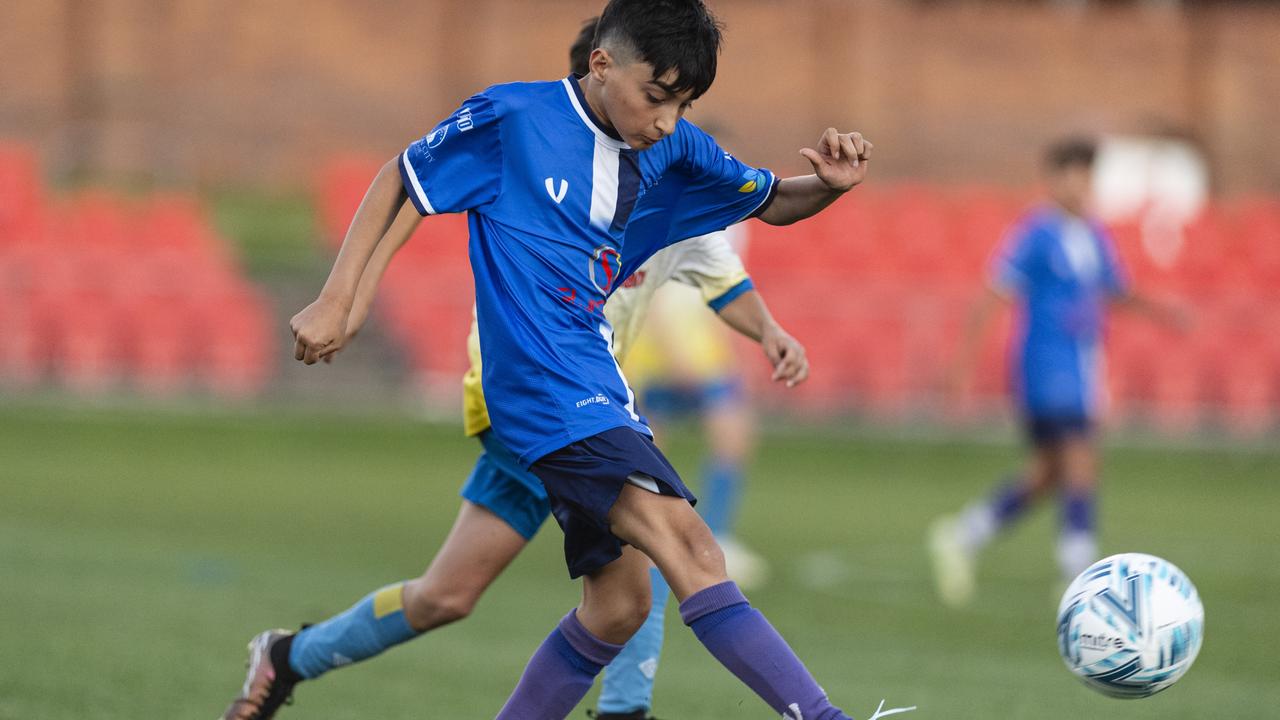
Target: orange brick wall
[198,91]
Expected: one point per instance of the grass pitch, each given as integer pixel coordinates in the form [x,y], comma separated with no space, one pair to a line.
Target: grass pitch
[139,551]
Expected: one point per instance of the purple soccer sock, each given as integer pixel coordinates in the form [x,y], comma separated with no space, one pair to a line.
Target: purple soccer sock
[745,643]
[1010,501]
[559,674]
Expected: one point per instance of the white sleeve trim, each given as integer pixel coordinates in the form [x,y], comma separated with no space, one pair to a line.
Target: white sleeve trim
[417,186]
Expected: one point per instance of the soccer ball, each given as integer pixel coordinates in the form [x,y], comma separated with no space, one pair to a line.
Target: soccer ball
[1130,625]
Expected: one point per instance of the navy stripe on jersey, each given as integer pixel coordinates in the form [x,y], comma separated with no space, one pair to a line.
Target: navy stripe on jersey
[628,188]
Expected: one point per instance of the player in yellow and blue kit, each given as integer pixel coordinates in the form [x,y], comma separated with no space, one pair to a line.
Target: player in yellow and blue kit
[503,503]
[1060,269]
[683,365]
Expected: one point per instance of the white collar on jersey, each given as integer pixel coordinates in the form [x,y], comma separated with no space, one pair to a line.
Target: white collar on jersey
[588,118]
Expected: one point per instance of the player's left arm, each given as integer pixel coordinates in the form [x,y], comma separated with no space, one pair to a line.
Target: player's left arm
[839,163]
[1122,295]
[1171,314]
[748,314]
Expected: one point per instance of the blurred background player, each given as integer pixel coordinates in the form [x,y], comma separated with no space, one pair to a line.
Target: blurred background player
[683,365]
[1059,269]
[504,505]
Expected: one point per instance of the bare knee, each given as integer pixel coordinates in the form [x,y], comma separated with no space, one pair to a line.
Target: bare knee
[428,605]
[615,616]
[630,615]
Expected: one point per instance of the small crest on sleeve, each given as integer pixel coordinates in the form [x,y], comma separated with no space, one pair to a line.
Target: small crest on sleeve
[437,136]
[753,180]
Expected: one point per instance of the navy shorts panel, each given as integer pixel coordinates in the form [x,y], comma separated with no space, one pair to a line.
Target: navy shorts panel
[1051,429]
[501,486]
[583,481]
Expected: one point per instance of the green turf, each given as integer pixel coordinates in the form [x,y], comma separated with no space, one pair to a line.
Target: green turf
[138,553]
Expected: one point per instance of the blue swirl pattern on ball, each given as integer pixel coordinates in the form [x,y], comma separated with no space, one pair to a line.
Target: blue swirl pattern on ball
[1130,625]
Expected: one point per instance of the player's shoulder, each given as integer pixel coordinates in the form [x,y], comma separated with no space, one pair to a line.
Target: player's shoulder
[513,98]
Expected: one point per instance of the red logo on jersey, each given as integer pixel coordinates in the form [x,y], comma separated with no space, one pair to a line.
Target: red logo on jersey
[636,279]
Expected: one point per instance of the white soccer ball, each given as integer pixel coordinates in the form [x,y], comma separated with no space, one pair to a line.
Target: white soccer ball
[1130,625]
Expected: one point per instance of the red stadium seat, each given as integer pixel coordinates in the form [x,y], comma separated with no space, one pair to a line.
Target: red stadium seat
[21,194]
[24,354]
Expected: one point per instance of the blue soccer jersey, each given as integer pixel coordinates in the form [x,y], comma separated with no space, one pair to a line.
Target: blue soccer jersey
[550,194]
[1062,270]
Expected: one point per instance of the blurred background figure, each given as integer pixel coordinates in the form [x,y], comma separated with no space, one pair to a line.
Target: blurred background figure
[684,367]
[1059,268]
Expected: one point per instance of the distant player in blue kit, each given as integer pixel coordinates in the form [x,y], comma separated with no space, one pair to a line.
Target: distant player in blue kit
[553,176]
[1060,269]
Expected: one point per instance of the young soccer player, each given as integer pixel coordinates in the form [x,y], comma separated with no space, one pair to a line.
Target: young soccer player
[553,174]
[503,504]
[1060,269]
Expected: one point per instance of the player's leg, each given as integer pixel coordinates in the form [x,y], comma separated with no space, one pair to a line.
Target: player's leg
[627,688]
[679,542]
[478,548]
[500,513]
[1077,544]
[956,541]
[730,431]
[615,601]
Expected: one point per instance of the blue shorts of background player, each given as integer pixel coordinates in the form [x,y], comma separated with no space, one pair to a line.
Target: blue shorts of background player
[670,399]
[500,485]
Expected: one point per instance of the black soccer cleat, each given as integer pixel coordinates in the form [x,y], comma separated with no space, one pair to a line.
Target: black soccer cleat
[269,682]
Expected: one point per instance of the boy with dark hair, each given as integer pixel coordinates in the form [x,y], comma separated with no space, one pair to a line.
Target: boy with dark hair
[554,176]
[1060,268]
[504,505]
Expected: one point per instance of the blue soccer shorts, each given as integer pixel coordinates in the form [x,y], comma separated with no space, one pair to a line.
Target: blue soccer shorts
[500,485]
[583,481]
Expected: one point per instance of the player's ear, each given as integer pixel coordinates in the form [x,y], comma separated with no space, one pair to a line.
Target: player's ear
[599,62]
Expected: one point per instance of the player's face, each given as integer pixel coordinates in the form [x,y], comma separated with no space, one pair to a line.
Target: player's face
[1072,187]
[640,107]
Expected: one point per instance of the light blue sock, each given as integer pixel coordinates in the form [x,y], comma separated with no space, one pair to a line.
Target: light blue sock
[628,681]
[369,627]
[719,495]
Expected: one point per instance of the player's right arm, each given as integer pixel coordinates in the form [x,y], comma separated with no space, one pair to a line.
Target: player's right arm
[320,328]
[456,167]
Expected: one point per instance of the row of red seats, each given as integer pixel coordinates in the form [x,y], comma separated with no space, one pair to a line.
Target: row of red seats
[99,291]
[879,287]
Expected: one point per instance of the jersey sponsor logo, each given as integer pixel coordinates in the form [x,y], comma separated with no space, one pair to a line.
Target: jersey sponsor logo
[551,189]
[753,180]
[793,712]
[437,136]
[465,122]
[597,399]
